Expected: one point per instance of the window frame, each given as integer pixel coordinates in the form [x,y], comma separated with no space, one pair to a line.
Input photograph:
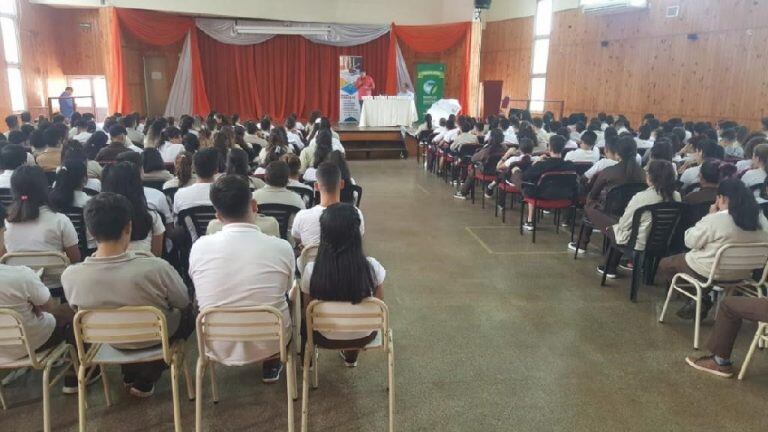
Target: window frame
[14,17]
[537,37]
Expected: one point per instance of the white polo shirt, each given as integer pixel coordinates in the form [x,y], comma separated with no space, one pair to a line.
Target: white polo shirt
[581,155]
[169,151]
[240,266]
[5,179]
[49,232]
[157,201]
[306,225]
[20,288]
[145,244]
[194,195]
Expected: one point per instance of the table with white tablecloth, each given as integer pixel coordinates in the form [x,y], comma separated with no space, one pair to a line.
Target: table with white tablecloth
[388,111]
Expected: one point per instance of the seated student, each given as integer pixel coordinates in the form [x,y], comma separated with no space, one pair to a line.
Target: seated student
[735,217]
[155,199]
[114,277]
[183,175]
[450,129]
[198,194]
[12,156]
[341,246]
[661,188]
[322,148]
[275,191]
[293,134]
[153,166]
[306,224]
[240,266]
[237,163]
[82,134]
[731,145]
[463,138]
[509,131]
[709,177]
[50,158]
[135,136]
[31,226]
[749,152]
[553,162]
[490,153]
[147,225]
[521,157]
[611,158]
[294,166]
[170,145]
[252,137]
[68,190]
[732,311]
[626,171]
[707,149]
[116,145]
[93,146]
[587,152]
[757,174]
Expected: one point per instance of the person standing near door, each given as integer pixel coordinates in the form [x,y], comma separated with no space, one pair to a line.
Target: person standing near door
[67,103]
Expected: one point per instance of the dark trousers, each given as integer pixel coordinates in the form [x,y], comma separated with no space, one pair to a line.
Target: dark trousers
[672,265]
[150,372]
[601,221]
[469,182]
[346,345]
[733,310]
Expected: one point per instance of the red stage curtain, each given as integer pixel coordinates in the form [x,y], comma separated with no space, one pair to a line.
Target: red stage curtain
[431,39]
[283,75]
[156,29]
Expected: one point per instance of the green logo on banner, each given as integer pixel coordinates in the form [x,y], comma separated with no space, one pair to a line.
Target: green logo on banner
[430,85]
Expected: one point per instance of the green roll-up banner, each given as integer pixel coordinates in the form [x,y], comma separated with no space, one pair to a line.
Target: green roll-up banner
[430,86]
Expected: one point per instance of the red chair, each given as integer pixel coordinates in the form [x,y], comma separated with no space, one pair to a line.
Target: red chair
[485,174]
[504,188]
[555,191]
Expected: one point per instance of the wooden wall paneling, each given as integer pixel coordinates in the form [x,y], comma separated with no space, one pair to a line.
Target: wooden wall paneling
[83,48]
[506,55]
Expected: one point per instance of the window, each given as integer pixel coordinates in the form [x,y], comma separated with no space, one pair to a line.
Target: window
[91,94]
[543,29]
[9,30]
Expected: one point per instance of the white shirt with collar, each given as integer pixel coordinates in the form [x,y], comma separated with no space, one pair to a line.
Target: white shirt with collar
[157,201]
[581,155]
[5,179]
[20,289]
[306,225]
[194,195]
[599,166]
[295,139]
[753,177]
[169,151]
[510,136]
[82,137]
[691,175]
[241,267]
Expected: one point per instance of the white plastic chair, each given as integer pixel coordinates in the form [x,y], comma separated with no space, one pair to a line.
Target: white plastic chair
[104,328]
[368,316]
[248,324]
[308,255]
[52,264]
[13,333]
[733,257]
[760,339]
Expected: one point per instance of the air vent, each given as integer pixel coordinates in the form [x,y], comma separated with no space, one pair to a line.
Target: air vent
[673,11]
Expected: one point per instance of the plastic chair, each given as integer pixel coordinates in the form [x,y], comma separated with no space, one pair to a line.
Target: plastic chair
[6,197]
[13,332]
[665,218]
[616,200]
[52,265]
[484,174]
[308,255]
[103,328]
[195,220]
[733,257]
[283,213]
[307,195]
[555,191]
[170,193]
[505,187]
[154,184]
[369,315]
[75,215]
[260,324]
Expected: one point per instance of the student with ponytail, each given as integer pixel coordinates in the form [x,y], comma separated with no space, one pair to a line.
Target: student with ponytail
[735,217]
[31,226]
[68,190]
[183,173]
[170,144]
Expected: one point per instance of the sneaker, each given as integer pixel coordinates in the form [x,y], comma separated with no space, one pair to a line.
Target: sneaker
[142,390]
[347,363]
[271,374]
[627,266]
[709,365]
[70,381]
[601,270]
[572,247]
[460,196]
[688,311]
[528,226]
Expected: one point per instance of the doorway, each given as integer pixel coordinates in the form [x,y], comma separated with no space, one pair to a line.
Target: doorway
[91,94]
[156,85]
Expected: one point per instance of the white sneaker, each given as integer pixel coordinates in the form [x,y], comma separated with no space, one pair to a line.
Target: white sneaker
[346,363]
[572,247]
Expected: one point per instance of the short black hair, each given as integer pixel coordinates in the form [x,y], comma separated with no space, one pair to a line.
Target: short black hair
[526,145]
[710,171]
[12,121]
[557,144]
[589,138]
[26,117]
[16,137]
[277,173]
[106,216]
[12,156]
[207,162]
[117,130]
[231,196]
[711,149]
[728,134]
[328,176]
[51,137]
[130,156]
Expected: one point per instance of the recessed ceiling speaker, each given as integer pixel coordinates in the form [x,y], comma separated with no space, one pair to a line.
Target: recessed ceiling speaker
[483,4]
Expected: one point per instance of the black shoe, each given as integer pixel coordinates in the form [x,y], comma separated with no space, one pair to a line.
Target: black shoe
[271,374]
[70,381]
[610,275]
[688,311]
[141,389]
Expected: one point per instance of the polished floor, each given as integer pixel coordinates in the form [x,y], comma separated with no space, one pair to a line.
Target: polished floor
[491,333]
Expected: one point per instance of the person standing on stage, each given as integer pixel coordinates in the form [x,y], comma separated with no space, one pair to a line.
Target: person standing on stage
[67,103]
[365,86]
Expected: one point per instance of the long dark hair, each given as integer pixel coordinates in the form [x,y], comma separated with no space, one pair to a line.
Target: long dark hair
[428,121]
[30,191]
[742,205]
[323,146]
[663,177]
[151,160]
[237,162]
[95,143]
[124,179]
[341,271]
[70,178]
[627,149]
[183,167]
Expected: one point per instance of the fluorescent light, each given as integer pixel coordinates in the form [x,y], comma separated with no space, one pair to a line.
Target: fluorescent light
[284,30]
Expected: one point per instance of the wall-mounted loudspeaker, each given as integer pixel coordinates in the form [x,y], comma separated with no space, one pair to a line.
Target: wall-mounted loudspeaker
[604,44]
[483,4]
[693,36]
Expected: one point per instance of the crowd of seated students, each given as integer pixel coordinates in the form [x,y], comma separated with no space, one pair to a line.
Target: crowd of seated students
[722,166]
[131,228]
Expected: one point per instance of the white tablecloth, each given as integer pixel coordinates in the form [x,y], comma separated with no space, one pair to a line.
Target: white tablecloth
[388,112]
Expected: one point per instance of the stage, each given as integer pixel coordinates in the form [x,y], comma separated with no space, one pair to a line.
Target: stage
[375,142]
